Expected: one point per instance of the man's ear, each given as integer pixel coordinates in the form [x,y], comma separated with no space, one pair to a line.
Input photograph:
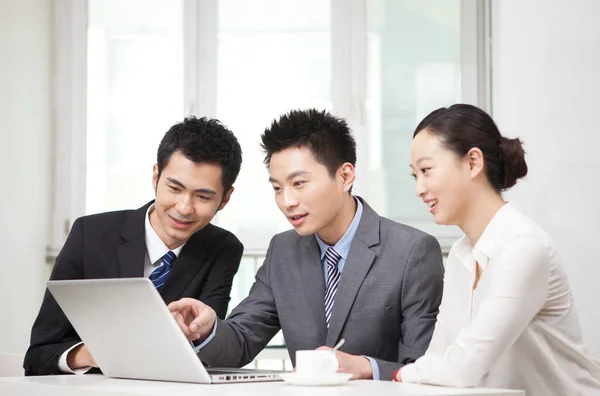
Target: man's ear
[347,172]
[476,162]
[155,177]
[226,198]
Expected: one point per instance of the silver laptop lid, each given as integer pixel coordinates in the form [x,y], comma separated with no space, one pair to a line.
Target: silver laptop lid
[128,329]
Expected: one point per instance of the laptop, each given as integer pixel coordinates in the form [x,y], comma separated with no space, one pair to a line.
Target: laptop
[130,332]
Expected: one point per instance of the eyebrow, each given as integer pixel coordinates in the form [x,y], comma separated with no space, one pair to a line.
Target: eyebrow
[290,176]
[421,160]
[199,190]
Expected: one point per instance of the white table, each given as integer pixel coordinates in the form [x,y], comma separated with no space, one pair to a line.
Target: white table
[99,385]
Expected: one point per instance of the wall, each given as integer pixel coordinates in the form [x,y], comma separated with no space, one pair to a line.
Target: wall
[25,113]
[546,80]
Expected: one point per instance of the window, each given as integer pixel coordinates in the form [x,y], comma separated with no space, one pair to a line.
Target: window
[381,64]
[268,63]
[418,54]
[134,94]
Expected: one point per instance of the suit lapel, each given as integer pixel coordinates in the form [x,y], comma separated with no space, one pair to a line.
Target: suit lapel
[131,254]
[314,284]
[359,262]
[187,264]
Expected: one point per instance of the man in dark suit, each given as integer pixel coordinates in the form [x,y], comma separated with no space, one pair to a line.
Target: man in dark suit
[169,240]
[343,272]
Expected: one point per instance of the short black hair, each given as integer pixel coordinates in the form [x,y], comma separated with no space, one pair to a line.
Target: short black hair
[328,137]
[203,140]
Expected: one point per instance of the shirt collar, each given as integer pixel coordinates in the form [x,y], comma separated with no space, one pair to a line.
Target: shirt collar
[342,247]
[154,245]
[483,249]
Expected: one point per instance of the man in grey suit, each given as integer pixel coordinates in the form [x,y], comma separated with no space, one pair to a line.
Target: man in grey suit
[343,272]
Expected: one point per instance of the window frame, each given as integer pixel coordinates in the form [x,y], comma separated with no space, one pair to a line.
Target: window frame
[349,89]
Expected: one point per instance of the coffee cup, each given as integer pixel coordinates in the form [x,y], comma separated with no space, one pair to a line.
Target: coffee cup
[316,363]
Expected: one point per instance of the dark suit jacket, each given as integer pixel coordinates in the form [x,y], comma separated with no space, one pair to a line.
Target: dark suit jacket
[112,245]
[385,307]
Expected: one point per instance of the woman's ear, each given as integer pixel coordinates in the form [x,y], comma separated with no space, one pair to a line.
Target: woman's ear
[475,158]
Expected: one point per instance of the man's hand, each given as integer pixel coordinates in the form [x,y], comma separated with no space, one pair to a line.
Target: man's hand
[194,318]
[80,357]
[358,366]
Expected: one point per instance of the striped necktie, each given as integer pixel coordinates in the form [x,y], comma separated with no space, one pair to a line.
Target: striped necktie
[159,275]
[333,278]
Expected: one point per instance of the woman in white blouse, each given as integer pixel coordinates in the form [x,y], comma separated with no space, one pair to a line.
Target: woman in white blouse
[507,317]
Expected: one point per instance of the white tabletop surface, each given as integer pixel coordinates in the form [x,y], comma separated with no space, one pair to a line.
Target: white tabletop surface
[98,385]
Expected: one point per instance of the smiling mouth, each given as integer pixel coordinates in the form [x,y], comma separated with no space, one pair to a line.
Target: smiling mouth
[432,203]
[182,222]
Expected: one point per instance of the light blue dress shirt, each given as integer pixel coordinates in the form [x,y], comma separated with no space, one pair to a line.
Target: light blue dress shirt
[342,247]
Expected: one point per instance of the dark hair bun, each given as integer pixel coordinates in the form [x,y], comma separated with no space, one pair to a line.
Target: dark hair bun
[515,166]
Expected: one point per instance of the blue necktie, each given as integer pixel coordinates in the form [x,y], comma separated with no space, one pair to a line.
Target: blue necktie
[333,278]
[159,275]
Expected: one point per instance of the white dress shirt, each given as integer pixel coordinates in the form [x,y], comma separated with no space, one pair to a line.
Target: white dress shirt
[519,328]
[155,247]
[155,250]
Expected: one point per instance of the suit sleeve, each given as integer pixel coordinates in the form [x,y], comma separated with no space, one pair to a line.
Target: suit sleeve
[422,286]
[52,333]
[250,326]
[217,290]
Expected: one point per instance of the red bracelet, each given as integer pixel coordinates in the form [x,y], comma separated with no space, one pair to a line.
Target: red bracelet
[395,376]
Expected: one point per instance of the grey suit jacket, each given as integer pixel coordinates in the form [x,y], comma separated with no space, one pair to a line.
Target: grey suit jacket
[385,307]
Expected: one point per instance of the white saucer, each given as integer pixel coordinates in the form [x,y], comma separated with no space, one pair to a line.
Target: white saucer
[311,380]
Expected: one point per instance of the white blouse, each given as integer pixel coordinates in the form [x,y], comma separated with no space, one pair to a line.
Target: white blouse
[519,328]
